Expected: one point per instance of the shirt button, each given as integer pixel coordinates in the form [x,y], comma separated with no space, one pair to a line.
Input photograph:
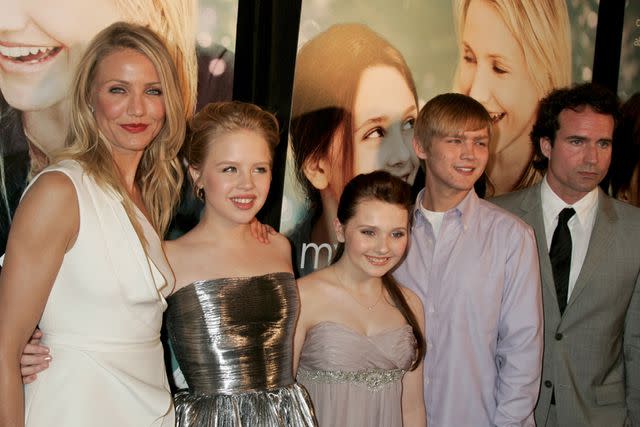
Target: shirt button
[548,384]
[426,380]
[558,336]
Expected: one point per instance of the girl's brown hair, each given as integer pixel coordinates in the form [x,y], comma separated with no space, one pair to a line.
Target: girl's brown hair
[382,186]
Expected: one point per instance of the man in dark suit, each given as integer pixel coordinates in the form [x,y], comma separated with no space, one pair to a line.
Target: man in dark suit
[589,250]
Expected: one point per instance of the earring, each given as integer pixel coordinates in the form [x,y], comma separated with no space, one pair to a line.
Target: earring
[92,109]
[200,193]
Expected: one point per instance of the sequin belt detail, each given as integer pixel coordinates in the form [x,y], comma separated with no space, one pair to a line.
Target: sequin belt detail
[373,379]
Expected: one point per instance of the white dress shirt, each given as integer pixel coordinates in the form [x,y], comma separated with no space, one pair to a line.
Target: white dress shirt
[580,225]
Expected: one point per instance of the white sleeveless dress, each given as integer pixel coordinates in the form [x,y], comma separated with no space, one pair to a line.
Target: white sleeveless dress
[102,322]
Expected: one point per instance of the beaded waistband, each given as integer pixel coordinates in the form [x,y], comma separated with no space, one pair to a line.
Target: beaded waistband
[373,379]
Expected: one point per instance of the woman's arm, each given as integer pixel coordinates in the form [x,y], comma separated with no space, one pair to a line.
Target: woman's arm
[413,409]
[44,228]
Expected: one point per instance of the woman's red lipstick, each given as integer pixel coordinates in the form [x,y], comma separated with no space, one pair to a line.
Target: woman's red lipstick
[134,127]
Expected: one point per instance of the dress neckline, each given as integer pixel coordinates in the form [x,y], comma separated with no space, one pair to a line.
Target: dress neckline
[284,274]
[356,332]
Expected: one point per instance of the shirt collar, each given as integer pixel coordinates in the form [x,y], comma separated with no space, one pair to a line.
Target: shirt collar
[552,204]
[464,210]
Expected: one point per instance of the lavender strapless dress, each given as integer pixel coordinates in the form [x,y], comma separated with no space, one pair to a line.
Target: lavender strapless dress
[356,380]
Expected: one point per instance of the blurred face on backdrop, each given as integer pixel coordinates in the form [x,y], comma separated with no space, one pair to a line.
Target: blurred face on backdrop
[41,42]
[384,114]
[493,71]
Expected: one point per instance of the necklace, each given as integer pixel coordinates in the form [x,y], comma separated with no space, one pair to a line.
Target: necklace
[368,307]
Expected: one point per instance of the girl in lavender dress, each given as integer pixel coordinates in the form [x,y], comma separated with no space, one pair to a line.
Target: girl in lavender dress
[359,339]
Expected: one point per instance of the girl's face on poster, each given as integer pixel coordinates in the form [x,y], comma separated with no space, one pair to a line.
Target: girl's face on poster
[41,42]
[375,238]
[493,71]
[384,114]
[235,175]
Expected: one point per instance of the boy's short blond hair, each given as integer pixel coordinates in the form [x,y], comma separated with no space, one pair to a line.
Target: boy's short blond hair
[450,114]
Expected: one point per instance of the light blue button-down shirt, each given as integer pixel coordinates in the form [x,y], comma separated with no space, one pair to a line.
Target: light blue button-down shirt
[479,281]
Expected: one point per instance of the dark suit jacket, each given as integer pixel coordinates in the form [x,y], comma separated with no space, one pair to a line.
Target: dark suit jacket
[592,352]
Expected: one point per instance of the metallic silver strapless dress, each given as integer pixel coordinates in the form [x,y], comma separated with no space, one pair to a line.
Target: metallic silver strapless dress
[233,339]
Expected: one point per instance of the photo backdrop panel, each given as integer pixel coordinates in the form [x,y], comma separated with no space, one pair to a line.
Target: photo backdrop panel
[629,81]
[347,106]
[583,16]
[215,45]
[361,73]
[34,86]
[216,41]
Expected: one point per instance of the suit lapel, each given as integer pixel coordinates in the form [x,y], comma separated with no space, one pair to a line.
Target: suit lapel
[602,237]
[532,214]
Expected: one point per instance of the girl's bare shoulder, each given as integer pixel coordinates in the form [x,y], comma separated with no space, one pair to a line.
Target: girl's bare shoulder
[317,283]
[280,243]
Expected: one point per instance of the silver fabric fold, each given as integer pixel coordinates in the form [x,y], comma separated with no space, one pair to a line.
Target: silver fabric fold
[233,339]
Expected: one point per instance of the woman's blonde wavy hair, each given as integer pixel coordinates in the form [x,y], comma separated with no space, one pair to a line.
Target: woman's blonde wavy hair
[543,31]
[175,22]
[159,173]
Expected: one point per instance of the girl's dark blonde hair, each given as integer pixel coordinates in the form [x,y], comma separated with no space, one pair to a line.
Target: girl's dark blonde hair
[159,173]
[221,118]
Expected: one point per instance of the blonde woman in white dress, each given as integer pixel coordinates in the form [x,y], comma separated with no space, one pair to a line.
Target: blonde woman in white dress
[84,258]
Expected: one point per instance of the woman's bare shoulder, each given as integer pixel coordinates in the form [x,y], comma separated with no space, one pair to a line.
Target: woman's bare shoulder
[47,219]
[53,184]
[51,194]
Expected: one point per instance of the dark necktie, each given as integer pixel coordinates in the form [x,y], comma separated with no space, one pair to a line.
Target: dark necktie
[560,255]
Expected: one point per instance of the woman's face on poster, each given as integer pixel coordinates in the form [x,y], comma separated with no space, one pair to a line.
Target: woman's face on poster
[384,114]
[41,43]
[493,71]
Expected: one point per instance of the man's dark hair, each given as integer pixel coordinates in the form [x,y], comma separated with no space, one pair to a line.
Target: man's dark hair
[576,98]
